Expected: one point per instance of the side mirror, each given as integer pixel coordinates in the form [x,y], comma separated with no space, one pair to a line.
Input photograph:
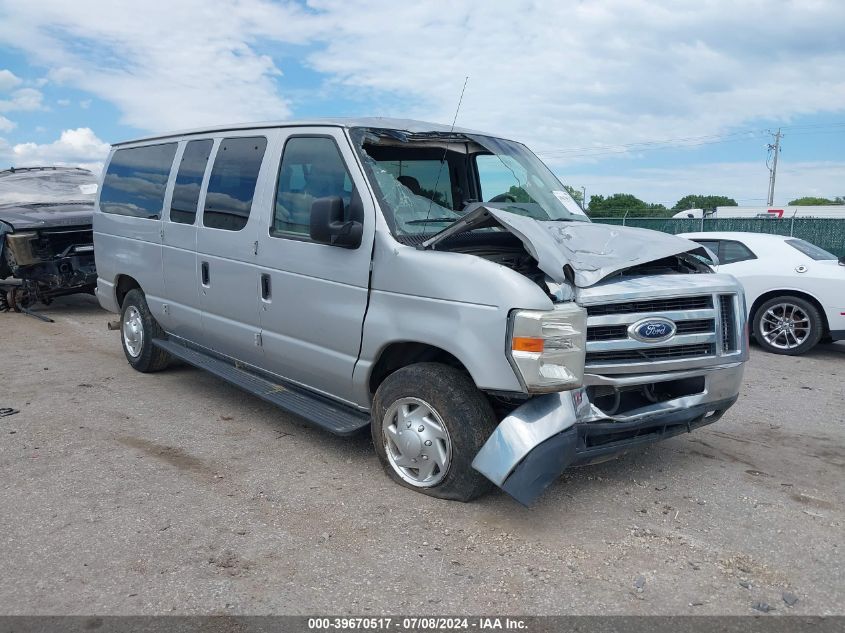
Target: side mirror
[330,226]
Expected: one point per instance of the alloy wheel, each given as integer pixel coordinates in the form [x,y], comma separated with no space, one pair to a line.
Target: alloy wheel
[785,326]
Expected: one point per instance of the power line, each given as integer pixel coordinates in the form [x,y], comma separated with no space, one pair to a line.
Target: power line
[646,143]
[643,149]
[682,142]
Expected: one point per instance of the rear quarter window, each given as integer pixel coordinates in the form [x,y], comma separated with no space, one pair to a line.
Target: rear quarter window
[136,179]
[810,250]
[231,186]
[186,190]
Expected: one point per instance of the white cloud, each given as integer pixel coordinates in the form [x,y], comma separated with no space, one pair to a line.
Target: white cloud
[22,99]
[63,102]
[6,125]
[569,74]
[746,182]
[161,75]
[555,74]
[8,80]
[79,147]
[85,104]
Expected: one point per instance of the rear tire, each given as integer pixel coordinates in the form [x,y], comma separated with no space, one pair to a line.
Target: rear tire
[138,328]
[788,325]
[429,422]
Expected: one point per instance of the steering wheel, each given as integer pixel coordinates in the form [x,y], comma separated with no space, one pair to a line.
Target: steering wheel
[503,197]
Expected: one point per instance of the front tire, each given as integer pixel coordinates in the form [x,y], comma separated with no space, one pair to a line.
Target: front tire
[138,328]
[788,325]
[429,421]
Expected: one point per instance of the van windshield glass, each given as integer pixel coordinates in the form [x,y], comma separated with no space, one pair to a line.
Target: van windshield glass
[425,182]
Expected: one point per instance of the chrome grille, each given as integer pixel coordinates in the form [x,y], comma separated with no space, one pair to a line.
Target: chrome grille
[660,353]
[727,314]
[701,302]
[706,328]
[610,332]
[605,332]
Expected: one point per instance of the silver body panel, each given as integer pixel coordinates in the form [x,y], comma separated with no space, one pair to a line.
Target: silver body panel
[590,251]
[456,302]
[311,326]
[181,268]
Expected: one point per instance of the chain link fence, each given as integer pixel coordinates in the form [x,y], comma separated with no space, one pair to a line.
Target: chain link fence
[829,234]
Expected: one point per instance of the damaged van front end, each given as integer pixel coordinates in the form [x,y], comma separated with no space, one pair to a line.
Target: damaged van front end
[632,353]
[616,337]
[635,388]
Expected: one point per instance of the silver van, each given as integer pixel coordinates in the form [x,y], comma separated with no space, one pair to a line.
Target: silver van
[436,285]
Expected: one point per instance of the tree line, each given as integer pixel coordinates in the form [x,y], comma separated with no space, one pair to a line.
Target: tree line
[618,204]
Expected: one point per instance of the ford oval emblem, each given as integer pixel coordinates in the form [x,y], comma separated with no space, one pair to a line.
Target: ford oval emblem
[652,330]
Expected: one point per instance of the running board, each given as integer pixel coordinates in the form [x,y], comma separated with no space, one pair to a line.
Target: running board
[319,411]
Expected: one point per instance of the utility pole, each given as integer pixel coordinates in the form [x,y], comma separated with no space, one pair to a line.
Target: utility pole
[584,198]
[773,170]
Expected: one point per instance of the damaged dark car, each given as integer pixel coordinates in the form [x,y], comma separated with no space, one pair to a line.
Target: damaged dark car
[46,237]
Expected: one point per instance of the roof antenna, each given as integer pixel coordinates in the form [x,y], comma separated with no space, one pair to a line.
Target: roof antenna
[445,151]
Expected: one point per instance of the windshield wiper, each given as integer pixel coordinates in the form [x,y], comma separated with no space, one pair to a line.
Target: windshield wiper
[432,220]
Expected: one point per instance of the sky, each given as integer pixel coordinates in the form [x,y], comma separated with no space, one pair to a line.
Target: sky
[655,98]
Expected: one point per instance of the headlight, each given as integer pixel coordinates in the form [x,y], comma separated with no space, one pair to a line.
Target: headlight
[547,349]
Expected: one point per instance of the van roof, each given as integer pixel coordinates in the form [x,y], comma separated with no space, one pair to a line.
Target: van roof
[407,125]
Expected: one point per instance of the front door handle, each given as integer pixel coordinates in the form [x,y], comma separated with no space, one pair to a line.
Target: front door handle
[265,287]
[206,278]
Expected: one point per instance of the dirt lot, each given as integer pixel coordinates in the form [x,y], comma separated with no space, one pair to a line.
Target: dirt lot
[175,493]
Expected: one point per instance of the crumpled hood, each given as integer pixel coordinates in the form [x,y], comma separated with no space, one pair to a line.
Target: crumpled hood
[38,216]
[590,251]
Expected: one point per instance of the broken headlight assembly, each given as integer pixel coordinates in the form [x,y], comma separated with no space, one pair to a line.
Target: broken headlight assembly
[547,348]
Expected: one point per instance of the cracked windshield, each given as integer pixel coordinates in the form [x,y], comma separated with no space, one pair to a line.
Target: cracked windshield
[428,186]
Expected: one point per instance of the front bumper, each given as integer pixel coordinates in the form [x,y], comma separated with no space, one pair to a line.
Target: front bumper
[533,445]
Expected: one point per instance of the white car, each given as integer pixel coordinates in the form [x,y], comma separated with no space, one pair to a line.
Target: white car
[795,291]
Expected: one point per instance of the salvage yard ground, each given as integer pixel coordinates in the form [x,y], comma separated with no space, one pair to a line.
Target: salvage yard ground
[176,493]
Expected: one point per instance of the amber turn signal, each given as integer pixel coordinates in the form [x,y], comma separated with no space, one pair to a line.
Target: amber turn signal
[527,344]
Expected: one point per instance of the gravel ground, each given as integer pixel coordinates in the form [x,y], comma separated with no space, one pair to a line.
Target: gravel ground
[125,493]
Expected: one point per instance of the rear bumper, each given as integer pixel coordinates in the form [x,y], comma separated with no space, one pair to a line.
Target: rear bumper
[533,445]
[106,295]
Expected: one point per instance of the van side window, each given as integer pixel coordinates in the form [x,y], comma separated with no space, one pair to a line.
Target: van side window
[136,179]
[428,177]
[311,168]
[231,186]
[186,191]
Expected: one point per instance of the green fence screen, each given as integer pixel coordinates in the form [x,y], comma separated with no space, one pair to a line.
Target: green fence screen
[826,233]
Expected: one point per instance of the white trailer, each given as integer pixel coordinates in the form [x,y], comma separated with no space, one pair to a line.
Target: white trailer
[775,212]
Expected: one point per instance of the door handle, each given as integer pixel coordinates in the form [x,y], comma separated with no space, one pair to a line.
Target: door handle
[265,287]
[206,278]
